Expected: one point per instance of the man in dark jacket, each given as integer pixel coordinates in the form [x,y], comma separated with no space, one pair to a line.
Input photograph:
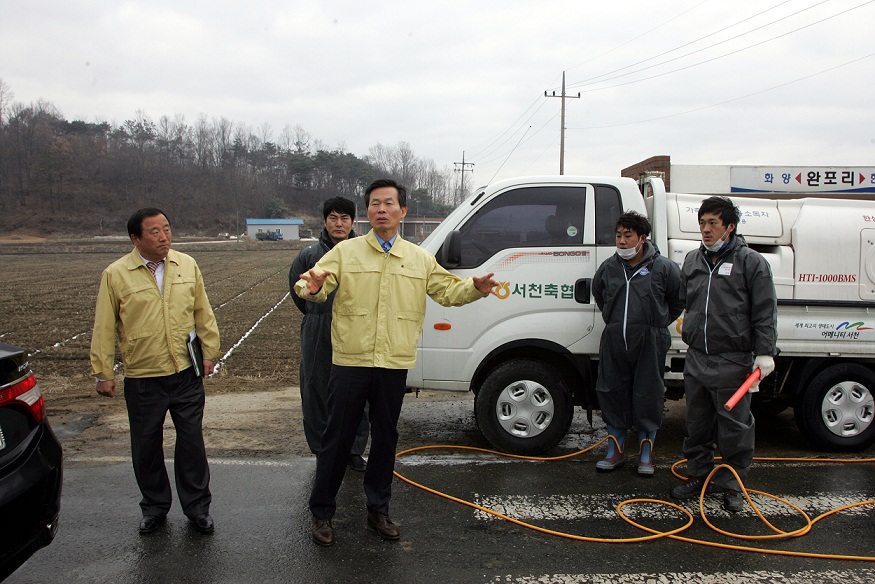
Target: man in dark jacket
[638,292]
[339,214]
[730,327]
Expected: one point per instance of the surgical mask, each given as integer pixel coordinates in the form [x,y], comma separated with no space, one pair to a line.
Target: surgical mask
[717,245]
[627,253]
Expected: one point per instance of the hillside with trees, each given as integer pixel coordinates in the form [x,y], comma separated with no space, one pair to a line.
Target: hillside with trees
[60,176]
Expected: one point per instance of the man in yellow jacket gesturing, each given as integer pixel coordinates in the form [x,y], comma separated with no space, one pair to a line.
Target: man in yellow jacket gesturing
[381,282]
[151,299]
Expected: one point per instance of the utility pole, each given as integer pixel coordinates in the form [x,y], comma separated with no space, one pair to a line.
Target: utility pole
[562,136]
[464,168]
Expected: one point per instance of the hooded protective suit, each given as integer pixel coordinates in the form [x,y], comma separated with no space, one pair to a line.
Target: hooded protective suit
[638,303]
[731,316]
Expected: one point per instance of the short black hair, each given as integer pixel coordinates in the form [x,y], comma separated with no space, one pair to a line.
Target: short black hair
[338,205]
[135,223]
[386,182]
[634,221]
[723,207]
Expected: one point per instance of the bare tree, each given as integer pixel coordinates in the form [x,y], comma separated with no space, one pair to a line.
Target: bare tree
[203,143]
[302,140]
[265,133]
[6,97]
[287,138]
[382,157]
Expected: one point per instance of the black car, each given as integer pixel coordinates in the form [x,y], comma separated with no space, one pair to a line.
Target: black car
[30,464]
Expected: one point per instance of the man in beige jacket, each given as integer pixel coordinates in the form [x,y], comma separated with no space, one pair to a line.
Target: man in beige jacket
[151,300]
[381,282]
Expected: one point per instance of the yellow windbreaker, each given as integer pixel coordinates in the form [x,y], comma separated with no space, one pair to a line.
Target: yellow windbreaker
[151,328]
[380,302]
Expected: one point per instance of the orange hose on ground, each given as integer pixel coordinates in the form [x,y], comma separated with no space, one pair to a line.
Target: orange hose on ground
[674,533]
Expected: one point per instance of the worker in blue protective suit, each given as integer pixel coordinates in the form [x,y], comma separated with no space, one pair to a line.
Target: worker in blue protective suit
[638,292]
[730,327]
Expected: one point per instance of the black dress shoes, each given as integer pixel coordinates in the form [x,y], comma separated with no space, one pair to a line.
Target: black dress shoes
[203,523]
[383,525]
[357,463]
[150,523]
[323,532]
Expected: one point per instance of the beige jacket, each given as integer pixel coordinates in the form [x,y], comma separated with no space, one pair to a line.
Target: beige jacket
[380,302]
[151,328]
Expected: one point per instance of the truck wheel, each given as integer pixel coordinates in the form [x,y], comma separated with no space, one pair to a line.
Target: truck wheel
[838,408]
[524,407]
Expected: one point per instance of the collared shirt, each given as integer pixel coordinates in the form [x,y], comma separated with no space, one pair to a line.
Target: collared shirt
[379,306]
[159,272]
[151,328]
[383,242]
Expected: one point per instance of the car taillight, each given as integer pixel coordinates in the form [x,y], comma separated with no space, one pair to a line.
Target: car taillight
[27,392]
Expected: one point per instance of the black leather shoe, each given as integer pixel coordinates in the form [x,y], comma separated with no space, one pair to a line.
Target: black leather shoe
[383,525]
[323,532]
[357,463]
[203,523]
[150,523]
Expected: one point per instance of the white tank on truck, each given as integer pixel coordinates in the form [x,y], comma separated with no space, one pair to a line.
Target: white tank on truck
[530,356]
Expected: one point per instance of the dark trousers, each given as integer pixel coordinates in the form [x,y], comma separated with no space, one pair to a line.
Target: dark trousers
[314,374]
[709,381]
[349,389]
[630,386]
[148,400]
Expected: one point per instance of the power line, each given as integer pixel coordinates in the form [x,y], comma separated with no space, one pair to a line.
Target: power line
[809,25]
[725,28]
[482,151]
[509,153]
[643,34]
[728,100]
[479,150]
[507,134]
[538,131]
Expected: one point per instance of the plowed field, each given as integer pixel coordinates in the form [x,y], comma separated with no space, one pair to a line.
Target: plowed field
[48,290]
[48,293]
[48,297]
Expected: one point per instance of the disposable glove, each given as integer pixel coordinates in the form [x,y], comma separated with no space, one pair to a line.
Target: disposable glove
[766,364]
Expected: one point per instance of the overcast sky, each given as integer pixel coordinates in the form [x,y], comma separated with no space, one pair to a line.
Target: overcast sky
[706,82]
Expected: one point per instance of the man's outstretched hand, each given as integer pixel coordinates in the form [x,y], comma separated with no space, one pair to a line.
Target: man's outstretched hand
[485,284]
[314,280]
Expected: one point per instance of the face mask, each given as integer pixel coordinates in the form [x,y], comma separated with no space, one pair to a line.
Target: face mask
[628,253]
[717,245]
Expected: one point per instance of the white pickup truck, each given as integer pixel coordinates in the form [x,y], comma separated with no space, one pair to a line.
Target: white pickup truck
[530,355]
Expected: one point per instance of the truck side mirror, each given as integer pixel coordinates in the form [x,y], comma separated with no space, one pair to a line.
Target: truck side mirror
[582,290]
[450,253]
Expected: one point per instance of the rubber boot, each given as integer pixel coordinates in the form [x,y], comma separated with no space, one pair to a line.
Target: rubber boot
[645,455]
[614,458]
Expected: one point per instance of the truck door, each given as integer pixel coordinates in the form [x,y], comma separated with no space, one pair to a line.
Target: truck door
[538,241]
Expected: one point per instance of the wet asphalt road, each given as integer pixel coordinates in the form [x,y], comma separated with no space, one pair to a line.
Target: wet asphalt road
[262,533]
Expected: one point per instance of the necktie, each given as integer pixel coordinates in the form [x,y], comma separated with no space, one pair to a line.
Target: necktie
[387,246]
[153,267]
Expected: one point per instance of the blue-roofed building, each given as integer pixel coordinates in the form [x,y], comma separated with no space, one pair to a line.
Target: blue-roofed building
[285,228]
